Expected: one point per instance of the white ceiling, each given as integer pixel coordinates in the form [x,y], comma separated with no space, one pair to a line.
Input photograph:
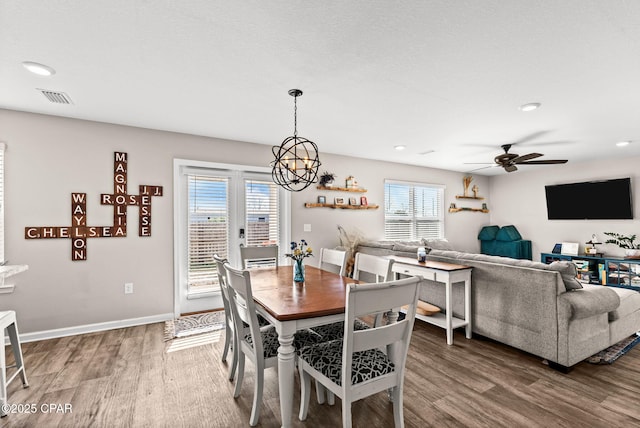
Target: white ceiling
[446,76]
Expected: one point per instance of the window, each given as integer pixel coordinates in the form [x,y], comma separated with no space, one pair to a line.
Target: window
[261,211]
[413,211]
[208,228]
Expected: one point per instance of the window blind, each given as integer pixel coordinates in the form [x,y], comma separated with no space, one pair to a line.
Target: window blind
[208,228]
[413,211]
[261,208]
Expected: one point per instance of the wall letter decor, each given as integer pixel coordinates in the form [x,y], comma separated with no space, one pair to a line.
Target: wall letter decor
[78,232]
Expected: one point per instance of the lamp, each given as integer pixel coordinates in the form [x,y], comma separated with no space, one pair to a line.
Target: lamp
[296,159]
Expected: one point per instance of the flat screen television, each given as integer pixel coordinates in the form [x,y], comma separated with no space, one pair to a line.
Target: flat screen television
[592,200]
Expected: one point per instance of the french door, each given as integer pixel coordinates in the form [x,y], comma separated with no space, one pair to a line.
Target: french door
[218,207]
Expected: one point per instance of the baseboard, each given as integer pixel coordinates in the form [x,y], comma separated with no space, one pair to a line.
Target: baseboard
[90,328]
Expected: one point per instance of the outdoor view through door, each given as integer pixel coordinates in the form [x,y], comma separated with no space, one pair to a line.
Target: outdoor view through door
[221,210]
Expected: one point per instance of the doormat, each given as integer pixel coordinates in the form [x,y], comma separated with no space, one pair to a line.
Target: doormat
[190,325]
[612,353]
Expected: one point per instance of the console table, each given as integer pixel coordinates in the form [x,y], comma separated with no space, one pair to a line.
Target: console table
[447,274]
[598,269]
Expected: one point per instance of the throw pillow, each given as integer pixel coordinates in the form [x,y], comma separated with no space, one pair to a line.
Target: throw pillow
[569,272]
[508,234]
[488,233]
[437,244]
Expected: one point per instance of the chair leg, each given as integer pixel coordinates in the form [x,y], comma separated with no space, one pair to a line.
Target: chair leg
[257,394]
[3,381]
[12,329]
[240,369]
[234,362]
[346,413]
[305,392]
[320,391]
[227,343]
[331,398]
[398,414]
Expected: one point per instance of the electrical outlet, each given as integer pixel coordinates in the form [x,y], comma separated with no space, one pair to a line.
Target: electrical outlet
[128,288]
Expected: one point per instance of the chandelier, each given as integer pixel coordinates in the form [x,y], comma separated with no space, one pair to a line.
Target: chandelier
[296,162]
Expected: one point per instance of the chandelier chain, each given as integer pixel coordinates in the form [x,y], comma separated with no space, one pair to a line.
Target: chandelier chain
[295,115]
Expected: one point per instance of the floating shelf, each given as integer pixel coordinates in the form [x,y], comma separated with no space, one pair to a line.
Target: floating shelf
[343,207]
[343,189]
[469,197]
[455,210]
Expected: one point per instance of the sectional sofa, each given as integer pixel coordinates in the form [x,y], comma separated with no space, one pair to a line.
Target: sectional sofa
[538,308]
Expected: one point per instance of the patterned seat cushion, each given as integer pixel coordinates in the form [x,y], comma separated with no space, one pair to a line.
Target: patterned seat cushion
[262,322]
[270,344]
[336,330]
[326,357]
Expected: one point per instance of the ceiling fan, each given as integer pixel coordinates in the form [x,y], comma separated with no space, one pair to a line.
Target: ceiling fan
[508,161]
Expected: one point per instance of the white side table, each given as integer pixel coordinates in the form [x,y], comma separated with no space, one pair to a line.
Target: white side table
[447,274]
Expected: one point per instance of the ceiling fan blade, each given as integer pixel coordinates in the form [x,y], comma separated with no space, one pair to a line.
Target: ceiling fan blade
[530,137]
[544,162]
[510,168]
[478,169]
[526,157]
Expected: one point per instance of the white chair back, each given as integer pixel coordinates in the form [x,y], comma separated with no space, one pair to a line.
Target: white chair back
[379,267]
[255,256]
[333,260]
[229,338]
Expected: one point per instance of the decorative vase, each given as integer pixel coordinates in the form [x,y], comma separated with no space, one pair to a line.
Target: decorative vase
[298,270]
[632,253]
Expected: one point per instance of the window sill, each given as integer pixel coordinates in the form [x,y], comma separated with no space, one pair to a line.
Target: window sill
[203,294]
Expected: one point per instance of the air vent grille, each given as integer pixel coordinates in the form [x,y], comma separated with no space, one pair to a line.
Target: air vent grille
[56,97]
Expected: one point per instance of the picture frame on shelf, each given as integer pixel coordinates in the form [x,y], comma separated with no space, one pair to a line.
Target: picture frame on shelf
[322,200]
[353,201]
[363,201]
[339,201]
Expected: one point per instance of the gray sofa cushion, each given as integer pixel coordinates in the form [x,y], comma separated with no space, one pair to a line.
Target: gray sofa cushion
[568,271]
[629,303]
[591,300]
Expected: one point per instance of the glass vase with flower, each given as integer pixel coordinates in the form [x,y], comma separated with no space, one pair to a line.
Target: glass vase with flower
[299,251]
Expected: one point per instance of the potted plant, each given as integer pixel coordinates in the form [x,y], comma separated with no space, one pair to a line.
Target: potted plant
[626,242]
[326,179]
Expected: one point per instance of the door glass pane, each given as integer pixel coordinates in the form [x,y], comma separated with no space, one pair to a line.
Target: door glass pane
[261,208]
[208,226]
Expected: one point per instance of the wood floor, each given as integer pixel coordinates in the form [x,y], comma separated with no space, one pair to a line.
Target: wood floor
[125,378]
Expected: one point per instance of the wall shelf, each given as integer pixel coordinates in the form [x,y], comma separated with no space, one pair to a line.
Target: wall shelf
[469,197]
[342,189]
[479,210]
[343,207]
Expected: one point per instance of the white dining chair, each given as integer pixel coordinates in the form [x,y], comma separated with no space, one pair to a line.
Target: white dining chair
[264,352]
[228,316]
[333,260]
[374,268]
[355,367]
[8,322]
[255,256]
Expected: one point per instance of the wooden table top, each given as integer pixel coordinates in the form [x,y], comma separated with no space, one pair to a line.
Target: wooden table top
[323,293]
[450,267]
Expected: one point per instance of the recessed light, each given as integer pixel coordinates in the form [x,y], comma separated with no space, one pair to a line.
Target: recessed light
[529,106]
[623,143]
[39,69]
[400,147]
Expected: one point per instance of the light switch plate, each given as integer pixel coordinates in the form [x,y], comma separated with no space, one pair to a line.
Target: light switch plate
[307,227]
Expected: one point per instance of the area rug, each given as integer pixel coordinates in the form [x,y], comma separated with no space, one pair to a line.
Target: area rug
[190,325]
[612,353]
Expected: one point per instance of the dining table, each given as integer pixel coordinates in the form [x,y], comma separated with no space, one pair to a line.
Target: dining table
[292,306]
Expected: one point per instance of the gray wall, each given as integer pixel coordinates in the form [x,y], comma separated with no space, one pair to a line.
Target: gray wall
[50,157]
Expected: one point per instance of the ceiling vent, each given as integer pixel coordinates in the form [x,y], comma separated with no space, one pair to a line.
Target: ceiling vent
[56,97]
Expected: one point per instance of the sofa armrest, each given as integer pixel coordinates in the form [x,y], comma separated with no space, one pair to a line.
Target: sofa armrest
[587,302]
